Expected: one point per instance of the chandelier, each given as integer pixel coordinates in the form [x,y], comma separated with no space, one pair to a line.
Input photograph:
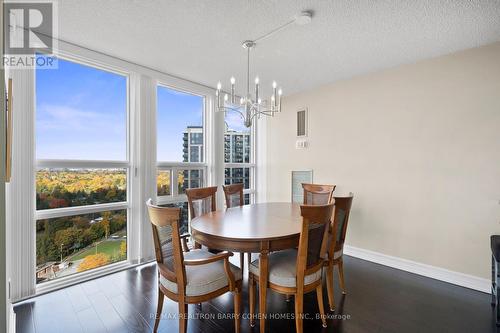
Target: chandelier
[251,106]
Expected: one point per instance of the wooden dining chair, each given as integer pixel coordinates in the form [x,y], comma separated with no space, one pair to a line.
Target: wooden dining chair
[234,198]
[234,195]
[189,277]
[316,194]
[201,201]
[338,230]
[298,271]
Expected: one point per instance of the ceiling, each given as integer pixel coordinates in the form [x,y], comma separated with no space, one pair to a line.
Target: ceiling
[200,40]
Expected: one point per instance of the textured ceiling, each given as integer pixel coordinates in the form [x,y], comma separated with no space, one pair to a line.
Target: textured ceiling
[200,39]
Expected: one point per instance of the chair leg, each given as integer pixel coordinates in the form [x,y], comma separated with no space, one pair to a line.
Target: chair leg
[341,276]
[242,260]
[329,286]
[159,307]
[251,294]
[299,304]
[493,281]
[237,309]
[319,295]
[497,294]
[183,317]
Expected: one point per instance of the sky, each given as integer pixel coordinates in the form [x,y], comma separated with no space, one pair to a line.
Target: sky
[81,113]
[176,111]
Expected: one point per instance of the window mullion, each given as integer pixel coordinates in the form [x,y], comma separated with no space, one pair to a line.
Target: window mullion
[79,210]
[173,182]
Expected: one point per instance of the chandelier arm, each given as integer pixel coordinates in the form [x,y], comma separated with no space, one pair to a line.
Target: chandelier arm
[226,109]
[258,113]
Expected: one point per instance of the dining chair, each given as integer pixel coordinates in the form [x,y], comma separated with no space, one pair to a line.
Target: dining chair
[316,194]
[298,271]
[234,198]
[189,277]
[337,233]
[201,201]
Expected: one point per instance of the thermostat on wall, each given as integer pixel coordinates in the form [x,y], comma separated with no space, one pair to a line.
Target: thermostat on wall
[301,144]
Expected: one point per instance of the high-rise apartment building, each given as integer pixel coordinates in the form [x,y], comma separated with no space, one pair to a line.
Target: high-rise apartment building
[236,150]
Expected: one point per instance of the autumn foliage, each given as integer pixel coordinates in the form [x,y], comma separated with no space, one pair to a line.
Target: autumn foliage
[66,188]
[93,261]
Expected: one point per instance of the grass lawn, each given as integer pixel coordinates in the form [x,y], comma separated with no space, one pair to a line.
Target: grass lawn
[109,247]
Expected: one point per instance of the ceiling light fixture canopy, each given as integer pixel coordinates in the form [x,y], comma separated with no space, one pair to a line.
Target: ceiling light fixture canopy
[249,107]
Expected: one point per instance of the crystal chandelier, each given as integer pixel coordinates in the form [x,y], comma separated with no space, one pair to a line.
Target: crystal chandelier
[251,106]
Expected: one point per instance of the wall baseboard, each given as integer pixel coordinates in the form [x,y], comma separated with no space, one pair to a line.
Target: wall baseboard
[433,272]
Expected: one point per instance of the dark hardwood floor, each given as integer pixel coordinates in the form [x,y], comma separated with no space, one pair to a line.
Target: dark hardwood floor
[379,299]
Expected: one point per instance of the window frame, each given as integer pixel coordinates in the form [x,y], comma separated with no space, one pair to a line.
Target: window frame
[141,163]
[87,164]
[175,166]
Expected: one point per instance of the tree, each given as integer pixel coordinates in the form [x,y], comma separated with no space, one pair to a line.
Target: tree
[85,238]
[93,261]
[80,222]
[123,249]
[106,217]
[67,237]
[97,231]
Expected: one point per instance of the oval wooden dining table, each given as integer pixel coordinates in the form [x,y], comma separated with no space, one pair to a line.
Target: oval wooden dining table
[258,228]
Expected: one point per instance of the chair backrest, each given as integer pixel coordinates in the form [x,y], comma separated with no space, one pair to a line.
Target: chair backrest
[201,200]
[166,238]
[313,238]
[340,220]
[316,194]
[233,194]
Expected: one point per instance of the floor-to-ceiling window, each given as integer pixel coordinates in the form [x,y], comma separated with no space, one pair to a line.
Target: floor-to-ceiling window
[94,163]
[180,147]
[239,164]
[82,169]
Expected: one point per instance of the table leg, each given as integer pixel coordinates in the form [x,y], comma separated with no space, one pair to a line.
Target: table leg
[263,275]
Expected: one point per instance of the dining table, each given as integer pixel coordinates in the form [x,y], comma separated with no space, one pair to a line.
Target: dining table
[256,228]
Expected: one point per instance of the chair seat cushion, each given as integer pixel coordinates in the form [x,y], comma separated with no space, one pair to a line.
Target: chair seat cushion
[495,246]
[203,279]
[282,269]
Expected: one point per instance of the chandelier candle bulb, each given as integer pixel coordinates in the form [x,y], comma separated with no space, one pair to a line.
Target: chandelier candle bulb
[256,88]
[274,98]
[217,93]
[280,92]
[233,81]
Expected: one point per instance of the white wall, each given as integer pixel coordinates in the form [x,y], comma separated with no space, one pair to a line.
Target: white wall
[419,145]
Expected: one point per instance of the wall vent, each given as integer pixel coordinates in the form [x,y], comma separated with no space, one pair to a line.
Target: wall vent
[302,122]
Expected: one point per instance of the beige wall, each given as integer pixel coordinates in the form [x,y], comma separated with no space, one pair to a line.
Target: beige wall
[419,145]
